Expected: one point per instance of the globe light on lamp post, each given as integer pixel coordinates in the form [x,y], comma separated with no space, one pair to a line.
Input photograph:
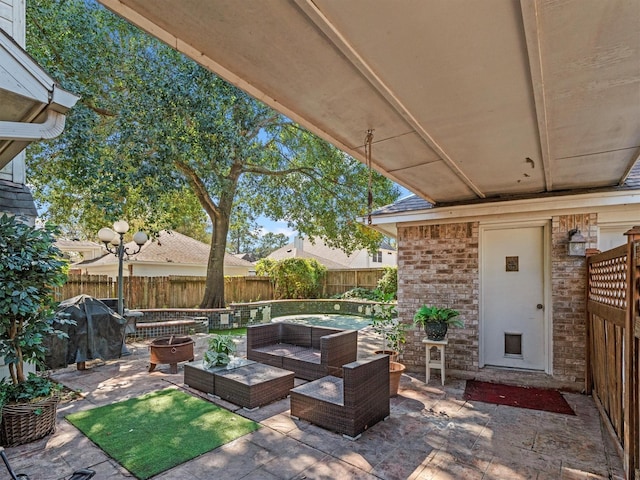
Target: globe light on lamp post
[114,242]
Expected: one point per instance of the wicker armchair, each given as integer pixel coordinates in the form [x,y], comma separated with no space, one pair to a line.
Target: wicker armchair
[347,405]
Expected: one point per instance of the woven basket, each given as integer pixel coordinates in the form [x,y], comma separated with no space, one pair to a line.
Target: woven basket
[26,422]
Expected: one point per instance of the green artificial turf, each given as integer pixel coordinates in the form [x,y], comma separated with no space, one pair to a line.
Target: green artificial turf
[152,433]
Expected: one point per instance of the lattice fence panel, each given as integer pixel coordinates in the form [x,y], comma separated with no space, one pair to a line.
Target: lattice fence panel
[608,282]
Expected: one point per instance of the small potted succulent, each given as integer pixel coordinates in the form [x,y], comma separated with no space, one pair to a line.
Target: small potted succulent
[436,320]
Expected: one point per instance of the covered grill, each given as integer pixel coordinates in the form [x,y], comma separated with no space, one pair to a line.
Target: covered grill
[98,333]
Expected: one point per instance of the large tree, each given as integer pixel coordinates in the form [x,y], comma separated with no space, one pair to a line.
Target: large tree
[268,243]
[244,231]
[154,130]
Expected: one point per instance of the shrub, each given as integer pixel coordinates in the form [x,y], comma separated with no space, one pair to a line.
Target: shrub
[358,293]
[264,266]
[295,277]
[388,283]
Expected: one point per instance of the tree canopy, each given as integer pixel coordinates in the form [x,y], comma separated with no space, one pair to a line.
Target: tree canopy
[268,243]
[164,143]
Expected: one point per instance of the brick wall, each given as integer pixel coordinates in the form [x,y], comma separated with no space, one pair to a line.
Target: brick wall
[568,284]
[438,264]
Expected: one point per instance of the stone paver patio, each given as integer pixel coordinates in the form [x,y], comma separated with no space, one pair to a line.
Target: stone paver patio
[432,433]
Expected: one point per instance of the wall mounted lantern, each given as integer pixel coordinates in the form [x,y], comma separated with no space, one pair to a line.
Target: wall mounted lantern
[577,243]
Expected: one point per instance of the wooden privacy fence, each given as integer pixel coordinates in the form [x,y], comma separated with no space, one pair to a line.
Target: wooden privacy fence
[98,286]
[187,292]
[165,292]
[340,281]
[613,343]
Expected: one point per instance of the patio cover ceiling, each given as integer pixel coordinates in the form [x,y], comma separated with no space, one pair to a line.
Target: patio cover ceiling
[467,99]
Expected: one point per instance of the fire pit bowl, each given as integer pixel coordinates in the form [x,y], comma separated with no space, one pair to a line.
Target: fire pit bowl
[170,350]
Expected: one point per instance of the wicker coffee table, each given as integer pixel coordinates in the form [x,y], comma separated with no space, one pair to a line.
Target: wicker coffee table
[253,385]
[200,378]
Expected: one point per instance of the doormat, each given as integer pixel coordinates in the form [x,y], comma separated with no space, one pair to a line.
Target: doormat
[523,397]
[150,434]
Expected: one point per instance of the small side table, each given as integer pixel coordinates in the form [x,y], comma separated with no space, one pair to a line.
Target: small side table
[440,345]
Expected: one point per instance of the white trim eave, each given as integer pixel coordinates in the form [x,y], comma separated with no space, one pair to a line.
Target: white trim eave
[22,58]
[546,205]
[62,100]
[31,132]
[30,76]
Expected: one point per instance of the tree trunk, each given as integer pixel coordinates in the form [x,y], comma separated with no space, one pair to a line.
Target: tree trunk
[214,287]
[16,370]
[219,215]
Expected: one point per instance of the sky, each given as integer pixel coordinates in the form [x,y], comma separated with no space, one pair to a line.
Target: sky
[269,225]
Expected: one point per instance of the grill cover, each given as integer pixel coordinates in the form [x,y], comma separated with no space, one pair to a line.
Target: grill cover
[99,333]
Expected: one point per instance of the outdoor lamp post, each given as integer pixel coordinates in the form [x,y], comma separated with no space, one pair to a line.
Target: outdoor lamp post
[114,243]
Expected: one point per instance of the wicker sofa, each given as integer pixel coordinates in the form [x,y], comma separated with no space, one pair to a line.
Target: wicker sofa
[347,405]
[311,352]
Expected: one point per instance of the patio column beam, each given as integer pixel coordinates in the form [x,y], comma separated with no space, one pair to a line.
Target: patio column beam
[534,51]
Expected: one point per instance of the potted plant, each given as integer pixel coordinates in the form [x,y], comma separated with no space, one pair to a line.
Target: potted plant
[436,320]
[220,349]
[31,268]
[391,330]
[393,334]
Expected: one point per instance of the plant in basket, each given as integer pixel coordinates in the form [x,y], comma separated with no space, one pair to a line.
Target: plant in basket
[436,320]
[31,268]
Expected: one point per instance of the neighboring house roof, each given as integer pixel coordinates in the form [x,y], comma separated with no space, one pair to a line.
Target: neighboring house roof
[387,246]
[78,250]
[64,244]
[170,247]
[633,180]
[249,257]
[288,251]
[408,203]
[332,258]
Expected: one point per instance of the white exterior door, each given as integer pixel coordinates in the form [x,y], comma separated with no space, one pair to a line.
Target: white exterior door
[513,315]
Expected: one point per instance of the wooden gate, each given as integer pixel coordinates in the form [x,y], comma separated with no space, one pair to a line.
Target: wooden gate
[613,343]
